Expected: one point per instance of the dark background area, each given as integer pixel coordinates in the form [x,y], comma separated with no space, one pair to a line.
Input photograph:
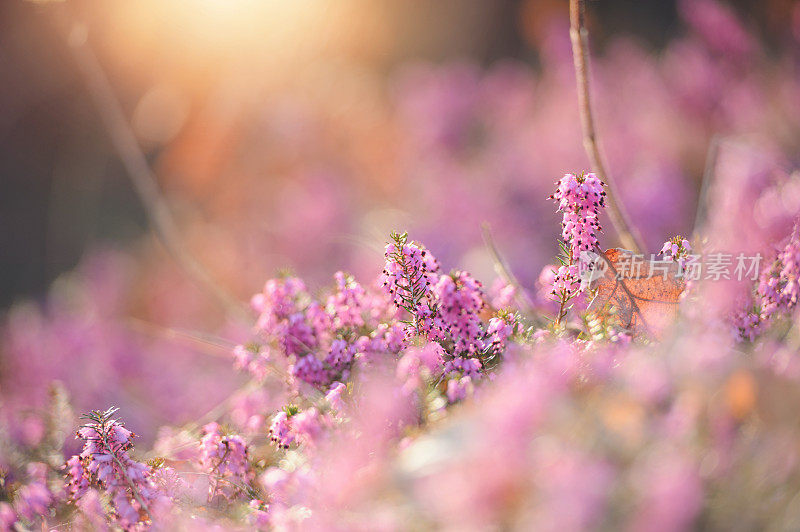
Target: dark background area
[62,188]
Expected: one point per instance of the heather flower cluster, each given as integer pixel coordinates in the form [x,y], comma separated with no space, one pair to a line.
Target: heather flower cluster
[106,466]
[293,425]
[676,249]
[776,292]
[386,396]
[318,341]
[32,499]
[225,457]
[408,277]
[445,310]
[580,198]
[778,286]
[368,401]
[354,327]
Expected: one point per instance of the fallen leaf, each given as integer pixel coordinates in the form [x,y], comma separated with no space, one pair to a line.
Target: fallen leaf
[641,294]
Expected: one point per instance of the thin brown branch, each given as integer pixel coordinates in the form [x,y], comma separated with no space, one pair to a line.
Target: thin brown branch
[502,269]
[705,185]
[199,342]
[140,173]
[580,55]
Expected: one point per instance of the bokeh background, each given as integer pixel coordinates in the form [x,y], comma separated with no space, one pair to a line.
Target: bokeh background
[225,92]
[297,134]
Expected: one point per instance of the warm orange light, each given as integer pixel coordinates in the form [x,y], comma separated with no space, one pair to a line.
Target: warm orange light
[267,38]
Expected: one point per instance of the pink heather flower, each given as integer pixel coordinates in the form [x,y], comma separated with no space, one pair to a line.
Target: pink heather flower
[307,425]
[280,431]
[470,367]
[319,320]
[347,304]
[408,275]
[746,325]
[259,514]
[34,498]
[296,334]
[223,455]
[253,359]
[418,363]
[7,516]
[105,463]
[77,479]
[279,300]
[778,286]
[340,356]
[460,298]
[282,308]
[334,396]
[242,356]
[566,282]
[498,331]
[502,294]
[776,293]
[544,288]
[676,249]
[311,370]
[459,389]
[386,338]
[580,198]
[290,425]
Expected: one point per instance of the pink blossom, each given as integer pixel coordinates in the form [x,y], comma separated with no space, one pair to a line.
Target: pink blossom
[502,293]
[459,299]
[280,431]
[347,304]
[418,363]
[334,396]
[408,276]
[310,369]
[223,454]
[307,425]
[580,198]
[459,389]
[676,249]
[106,464]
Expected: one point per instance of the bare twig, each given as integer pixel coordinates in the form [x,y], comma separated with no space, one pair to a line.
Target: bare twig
[140,173]
[580,54]
[502,269]
[201,342]
[705,185]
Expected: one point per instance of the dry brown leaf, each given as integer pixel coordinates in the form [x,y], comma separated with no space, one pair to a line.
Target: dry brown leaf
[643,293]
